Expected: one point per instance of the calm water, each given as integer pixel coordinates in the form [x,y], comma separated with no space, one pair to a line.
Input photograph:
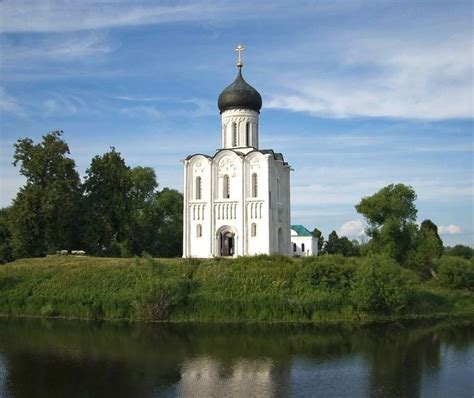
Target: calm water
[44,358]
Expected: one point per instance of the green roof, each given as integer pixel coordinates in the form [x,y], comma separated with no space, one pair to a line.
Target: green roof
[300,230]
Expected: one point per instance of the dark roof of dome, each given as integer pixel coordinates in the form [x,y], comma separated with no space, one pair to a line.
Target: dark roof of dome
[239,94]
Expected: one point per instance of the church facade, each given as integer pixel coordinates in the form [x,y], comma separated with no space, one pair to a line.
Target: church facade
[237,201]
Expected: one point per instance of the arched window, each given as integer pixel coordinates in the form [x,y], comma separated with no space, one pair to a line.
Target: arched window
[226,187]
[302,247]
[198,188]
[254,185]
[294,247]
[198,230]
[253,230]
[247,133]
[234,134]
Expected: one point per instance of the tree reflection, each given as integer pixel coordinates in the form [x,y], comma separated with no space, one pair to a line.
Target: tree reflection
[77,359]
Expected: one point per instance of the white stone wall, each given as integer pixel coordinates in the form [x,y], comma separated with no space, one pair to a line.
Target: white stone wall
[310,246]
[261,224]
[214,213]
[239,117]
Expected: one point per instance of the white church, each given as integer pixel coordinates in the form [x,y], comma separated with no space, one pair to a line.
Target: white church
[237,201]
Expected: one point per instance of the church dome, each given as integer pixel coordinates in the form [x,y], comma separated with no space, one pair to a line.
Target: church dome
[240,95]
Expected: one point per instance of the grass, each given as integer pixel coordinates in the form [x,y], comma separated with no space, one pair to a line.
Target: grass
[247,289]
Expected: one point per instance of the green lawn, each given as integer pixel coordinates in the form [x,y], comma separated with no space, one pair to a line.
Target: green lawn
[248,289]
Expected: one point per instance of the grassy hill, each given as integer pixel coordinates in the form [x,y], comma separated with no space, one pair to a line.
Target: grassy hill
[248,289]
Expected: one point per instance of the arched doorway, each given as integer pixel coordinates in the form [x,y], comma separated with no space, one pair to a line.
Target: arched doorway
[227,243]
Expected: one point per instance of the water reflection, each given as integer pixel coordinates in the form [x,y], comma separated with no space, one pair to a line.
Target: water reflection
[75,359]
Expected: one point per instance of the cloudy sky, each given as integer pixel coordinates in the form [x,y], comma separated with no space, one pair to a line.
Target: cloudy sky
[356,94]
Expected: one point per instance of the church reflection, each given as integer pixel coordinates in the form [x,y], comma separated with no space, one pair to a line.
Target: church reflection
[75,359]
[206,377]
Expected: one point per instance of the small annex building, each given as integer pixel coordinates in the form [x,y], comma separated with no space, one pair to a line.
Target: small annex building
[302,242]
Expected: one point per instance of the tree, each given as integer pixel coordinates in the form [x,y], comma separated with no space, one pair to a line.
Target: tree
[145,214]
[107,190]
[390,214]
[170,230]
[347,247]
[6,252]
[331,244]
[428,247]
[319,236]
[44,213]
[429,229]
[340,245]
[460,251]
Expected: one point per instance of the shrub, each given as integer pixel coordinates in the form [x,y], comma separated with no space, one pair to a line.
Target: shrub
[329,272]
[48,310]
[456,272]
[161,297]
[379,286]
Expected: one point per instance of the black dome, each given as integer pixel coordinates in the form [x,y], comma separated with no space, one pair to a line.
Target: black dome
[241,95]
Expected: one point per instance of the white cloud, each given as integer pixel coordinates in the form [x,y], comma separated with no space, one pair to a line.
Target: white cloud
[67,47]
[8,104]
[450,229]
[56,16]
[352,229]
[66,16]
[377,73]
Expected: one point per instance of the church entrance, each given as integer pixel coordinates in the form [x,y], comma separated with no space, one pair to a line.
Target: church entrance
[227,243]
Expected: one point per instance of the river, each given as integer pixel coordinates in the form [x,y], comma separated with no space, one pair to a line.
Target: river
[59,358]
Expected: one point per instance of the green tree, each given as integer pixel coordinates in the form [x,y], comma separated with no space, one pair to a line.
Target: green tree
[169,241]
[145,213]
[44,214]
[107,190]
[319,236]
[460,251]
[456,272]
[428,247]
[379,286]
[390,214]
[6,252]
[347,247]
[340,245]
[330,246]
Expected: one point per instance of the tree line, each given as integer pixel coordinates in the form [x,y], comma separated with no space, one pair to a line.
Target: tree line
[117,210]
[391,227]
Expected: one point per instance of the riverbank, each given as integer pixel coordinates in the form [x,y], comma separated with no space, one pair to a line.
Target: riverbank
[256,289]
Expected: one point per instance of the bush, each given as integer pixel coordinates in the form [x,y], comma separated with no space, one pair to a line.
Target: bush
[329,272]
[161,296]
[456,272]
[379,286]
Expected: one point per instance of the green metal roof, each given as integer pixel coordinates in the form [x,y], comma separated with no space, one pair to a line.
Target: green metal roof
[300,230]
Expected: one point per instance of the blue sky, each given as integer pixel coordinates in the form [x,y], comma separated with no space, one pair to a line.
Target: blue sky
[356,94]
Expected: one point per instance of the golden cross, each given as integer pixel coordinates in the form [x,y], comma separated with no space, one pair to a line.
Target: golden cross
[239,49]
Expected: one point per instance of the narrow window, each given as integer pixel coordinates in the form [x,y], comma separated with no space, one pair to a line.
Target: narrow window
[226,187]
[199,230]
[254,185]
[278,190]
[247,133]
[198,188]
[253,230]
[302,247]
[234,134]
[294,247]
